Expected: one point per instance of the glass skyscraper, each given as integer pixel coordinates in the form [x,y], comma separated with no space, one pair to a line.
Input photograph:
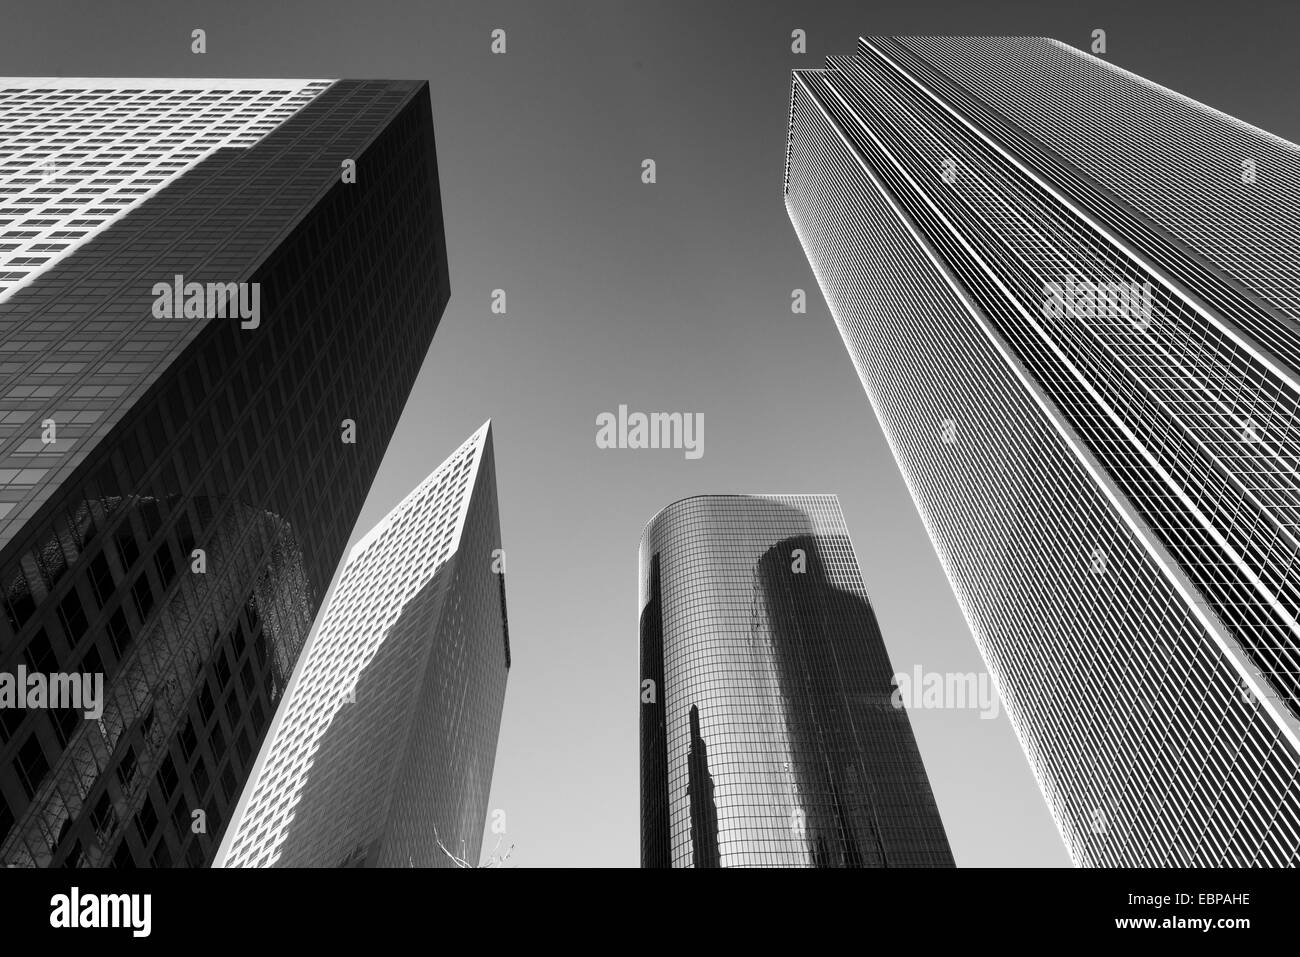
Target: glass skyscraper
[1071,296]
[387,739]
[178,480]
[768,733]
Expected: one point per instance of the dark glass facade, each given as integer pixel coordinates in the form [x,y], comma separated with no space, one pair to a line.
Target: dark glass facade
[1111,491]
[768,735]
[183,434]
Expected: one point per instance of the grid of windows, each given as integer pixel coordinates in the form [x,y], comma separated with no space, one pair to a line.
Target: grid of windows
[201,435]
[768,737]
[1174,160]
[1160,435]
[1130,581]
[387,740]
[74,158]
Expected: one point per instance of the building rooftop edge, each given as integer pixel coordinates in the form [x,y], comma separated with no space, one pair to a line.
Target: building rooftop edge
[697,495]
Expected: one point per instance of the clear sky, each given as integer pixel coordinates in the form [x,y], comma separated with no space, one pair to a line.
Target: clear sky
[666,297]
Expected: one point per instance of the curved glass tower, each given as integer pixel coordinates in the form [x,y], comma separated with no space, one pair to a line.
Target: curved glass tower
[768,737]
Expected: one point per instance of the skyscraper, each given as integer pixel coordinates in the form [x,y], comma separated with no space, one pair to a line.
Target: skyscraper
[768,733]
[215,296]
[386,745]
[1071,296]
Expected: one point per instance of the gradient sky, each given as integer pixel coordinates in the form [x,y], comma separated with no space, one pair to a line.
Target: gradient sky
[670,297]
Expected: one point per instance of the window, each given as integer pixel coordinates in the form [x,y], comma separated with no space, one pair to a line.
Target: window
[123,859]
[167,777]
[51,563]
[146,821]
[127,548]
[206,705]
[142,595]
[101,579]
[126,769]
[189,740]
[11,719]
[165,565]
[103,817]
[19,606]
[200,777]
[222,669]
[151,517]
[119,633]
[161,857]
[229,784]
[232,709]
[92,663]
[181,818]
[185,536]
[73,619]
[32,765]
[6,818]
[65,721]
[40,654]
[76,857]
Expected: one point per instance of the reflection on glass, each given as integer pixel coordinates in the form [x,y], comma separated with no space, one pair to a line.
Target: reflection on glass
[771,739]
[704,813]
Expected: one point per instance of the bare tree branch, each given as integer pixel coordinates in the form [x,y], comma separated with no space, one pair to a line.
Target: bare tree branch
[458,861]
[496,860]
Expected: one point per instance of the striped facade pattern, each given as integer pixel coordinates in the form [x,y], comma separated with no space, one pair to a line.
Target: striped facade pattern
[1110,482]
